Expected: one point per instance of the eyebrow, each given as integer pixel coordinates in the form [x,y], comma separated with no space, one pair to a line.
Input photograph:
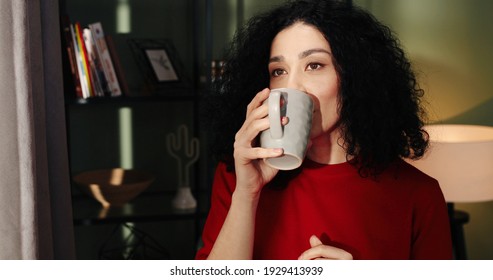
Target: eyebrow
[276,58]
[301,55]
[312,51]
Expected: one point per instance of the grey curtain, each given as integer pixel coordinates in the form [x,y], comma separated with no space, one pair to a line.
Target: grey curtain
[35,205]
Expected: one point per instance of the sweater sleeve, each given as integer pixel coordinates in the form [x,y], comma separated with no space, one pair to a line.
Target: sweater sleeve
[431,228]
[222,190]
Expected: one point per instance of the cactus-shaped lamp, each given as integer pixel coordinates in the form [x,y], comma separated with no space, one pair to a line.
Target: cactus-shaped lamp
[186,153]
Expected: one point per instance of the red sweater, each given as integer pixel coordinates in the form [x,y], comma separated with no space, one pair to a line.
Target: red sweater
[400,215]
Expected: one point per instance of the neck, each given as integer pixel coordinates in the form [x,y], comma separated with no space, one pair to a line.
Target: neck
[325,149]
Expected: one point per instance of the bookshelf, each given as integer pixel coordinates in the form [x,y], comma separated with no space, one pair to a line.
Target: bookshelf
[152,111]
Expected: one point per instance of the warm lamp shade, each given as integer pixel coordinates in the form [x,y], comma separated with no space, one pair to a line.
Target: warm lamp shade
[461,159]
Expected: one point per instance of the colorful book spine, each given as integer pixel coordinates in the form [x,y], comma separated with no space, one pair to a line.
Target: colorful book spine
[80,64]
[71,56]
[93,63]
[106,61]
[84,57]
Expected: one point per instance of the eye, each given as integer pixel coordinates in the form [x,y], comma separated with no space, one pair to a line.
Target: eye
[313,66]
[277,72]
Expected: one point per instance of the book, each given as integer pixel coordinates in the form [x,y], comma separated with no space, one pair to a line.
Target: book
[80,64]
[120,74]
[84,58]
[106,61]
[98,80]
[70,57]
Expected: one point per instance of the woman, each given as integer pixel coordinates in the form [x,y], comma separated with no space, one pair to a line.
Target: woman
[353,197]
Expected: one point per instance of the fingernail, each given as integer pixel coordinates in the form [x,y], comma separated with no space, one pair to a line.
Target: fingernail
[278,150]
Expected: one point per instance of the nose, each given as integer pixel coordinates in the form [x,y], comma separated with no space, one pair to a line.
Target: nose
[295,81]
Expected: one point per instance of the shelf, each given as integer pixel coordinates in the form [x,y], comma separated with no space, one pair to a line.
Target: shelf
[147,207]
[176,96]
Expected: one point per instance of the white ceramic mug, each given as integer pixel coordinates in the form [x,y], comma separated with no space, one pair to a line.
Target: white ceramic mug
[292,137]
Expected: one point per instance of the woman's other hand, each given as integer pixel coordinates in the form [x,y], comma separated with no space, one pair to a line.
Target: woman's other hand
[319,251]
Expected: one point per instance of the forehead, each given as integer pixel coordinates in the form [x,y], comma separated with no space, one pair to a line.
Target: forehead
[298,37]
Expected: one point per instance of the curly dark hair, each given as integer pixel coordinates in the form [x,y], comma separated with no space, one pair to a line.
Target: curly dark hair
[379,101]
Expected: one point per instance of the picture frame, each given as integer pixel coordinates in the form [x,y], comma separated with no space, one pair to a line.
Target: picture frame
[160,65]
[163,68]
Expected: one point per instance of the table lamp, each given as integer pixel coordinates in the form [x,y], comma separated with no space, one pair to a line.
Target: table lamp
[461,159]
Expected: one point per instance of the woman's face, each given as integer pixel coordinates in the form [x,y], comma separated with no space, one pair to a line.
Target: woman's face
[301,58]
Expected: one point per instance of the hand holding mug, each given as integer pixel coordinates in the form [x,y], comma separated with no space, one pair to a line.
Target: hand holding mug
[252,173]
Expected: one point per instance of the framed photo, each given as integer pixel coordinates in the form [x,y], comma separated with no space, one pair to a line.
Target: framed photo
[160,65]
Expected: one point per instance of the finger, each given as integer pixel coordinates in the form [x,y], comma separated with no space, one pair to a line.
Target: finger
[248,132]
[261,114]
[247,155]
[325,252]
[258,113]
[315,241]
[254,114]
[259,98]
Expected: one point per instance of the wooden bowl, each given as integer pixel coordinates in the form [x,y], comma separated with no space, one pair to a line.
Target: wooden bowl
[113,187]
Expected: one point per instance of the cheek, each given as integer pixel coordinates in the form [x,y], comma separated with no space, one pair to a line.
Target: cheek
[274,83]
[327,96]
[329,114]
[326,111]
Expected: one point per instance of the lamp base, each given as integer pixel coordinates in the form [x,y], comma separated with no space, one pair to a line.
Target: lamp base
[457,220]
